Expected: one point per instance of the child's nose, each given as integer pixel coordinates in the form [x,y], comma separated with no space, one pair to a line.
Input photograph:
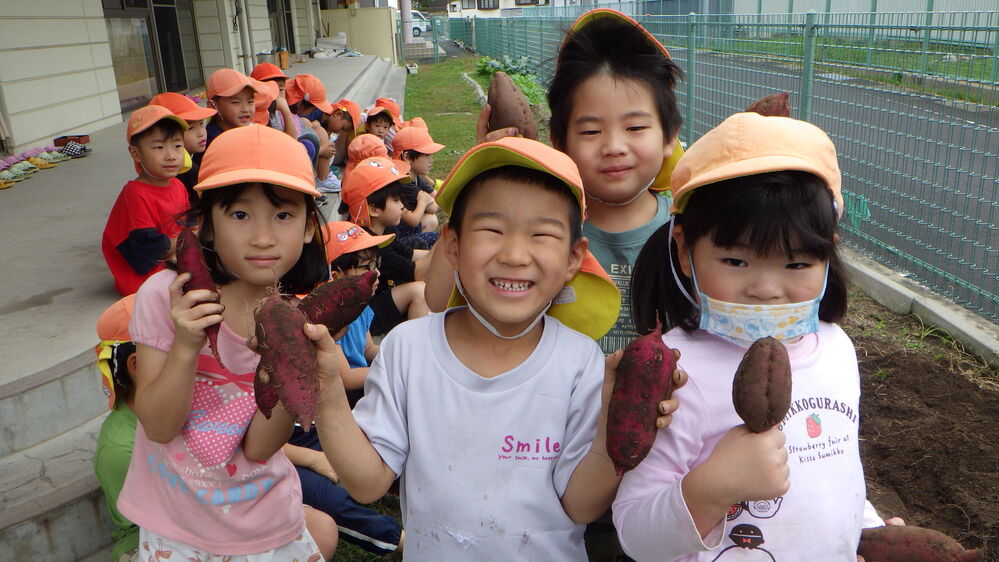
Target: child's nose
[613,143]
[514,252]
[765,288]
[262,234]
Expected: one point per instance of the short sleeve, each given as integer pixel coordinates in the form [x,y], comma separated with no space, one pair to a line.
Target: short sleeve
[151,324]
[381,412]
[584,409]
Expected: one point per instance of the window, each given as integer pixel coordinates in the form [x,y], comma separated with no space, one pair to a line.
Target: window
[467,4]
[453,6]
[526,2]
[488,4]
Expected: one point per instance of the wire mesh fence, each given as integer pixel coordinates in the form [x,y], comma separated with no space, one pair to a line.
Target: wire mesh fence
[910,99]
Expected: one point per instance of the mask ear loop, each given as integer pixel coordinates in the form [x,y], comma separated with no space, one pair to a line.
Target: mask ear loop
[672,266]
[492,329]
[626,203]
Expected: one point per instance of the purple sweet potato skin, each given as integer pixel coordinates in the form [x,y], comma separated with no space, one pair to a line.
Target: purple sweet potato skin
[510,107]
[339,302]
[644,378]
[191,259]
[905,543]
[773,105]
[287,361]
[761,390]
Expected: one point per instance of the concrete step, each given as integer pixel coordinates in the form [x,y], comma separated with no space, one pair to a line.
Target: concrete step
[421,51]
[368,85]
[53,508]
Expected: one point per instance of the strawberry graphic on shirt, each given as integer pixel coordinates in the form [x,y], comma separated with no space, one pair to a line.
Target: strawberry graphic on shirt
[813,425]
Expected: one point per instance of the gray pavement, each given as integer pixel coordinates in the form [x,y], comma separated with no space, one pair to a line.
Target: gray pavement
[55,279]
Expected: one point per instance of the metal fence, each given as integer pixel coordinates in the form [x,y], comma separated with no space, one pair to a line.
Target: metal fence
[912,107]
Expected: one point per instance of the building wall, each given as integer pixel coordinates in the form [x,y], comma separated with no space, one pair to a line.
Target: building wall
[371,31]
[260,26]
[304,37]
[56,75]
[221,46]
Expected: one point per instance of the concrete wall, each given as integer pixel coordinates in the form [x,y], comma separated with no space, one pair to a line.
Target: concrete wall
[56,75]
[220,44]
[370,31]
[304,36]
[260,26]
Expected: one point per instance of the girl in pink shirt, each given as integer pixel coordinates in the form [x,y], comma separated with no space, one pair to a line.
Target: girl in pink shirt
[207,477]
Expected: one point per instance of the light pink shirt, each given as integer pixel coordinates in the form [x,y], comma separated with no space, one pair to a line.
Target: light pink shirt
[200,489]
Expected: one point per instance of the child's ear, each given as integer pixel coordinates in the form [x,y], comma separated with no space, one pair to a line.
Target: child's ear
[132,365]
[669,148]
[576,255]
[450,247]
[134,153]
[310,230]
[682,252]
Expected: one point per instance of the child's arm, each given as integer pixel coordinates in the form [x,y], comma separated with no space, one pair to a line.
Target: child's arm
[164,381]
[287,116]
[340,150]
[310,458]
[370,348]
[423,201]
[438,275]
[362,471]
[266,436]
[325,153]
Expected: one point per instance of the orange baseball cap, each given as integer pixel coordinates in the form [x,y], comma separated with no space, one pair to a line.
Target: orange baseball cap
[312,91]
[370,175]
[226,82]
[256,154]
[363,146]
[267,71]
[393,108]
[269,92]
[414,138]
[292,93]
[145,117]
[414,122]
[182,106]
[590,302]
[352,109]
[344,237]
[112,329]
[746,144]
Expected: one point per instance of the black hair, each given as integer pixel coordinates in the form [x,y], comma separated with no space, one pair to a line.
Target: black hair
[118,364]
[166,127]
[771,212]
[383,194]
[381,116]
[351,259]
[311,268]
[511,173]
[412,154]
[608,45]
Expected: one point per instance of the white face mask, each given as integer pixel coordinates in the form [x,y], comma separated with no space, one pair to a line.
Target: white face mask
[492,329]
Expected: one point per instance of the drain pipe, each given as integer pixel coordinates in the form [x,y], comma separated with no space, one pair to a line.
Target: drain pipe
[244,37]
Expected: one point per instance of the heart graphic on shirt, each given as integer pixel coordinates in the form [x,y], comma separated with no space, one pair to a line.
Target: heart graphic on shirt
[179,456]
[231,469]
[215,425]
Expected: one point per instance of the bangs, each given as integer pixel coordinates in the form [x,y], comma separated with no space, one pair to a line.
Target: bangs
[277,195]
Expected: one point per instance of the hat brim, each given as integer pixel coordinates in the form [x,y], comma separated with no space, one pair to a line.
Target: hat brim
[235,89]
[486,157]
[275,76]
[324,106]
[245,175]
[662,179]
[600,13]
[197,114]
[430,148]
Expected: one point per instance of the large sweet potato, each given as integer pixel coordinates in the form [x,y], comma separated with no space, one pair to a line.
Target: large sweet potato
[287,361]
[510,108]
[905,543]
[761,391]
[191,259]
[644,378]
[773,105]
[338,303]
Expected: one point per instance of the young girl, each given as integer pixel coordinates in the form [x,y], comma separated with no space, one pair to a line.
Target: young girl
[208,476]
[751,253]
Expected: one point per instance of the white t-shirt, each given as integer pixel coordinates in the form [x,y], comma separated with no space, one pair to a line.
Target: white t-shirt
[483,461]
[821,516]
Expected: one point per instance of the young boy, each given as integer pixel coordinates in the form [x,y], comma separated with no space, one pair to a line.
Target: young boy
[490,413]
[231,93]
[372,193]
[144,221]
[379,122]
[269,72]
[345,123]
[415,146]
[195,137]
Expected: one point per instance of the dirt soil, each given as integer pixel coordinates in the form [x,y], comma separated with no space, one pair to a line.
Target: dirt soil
[928,434]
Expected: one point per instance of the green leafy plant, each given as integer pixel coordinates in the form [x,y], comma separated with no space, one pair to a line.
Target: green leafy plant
[529,85]
[520,70]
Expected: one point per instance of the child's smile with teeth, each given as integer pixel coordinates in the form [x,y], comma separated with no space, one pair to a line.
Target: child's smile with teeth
[512,285]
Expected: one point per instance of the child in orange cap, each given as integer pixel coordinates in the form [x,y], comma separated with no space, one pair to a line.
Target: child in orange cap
[414,146]
[373,195]
[231,93]
[751,253]
[195,137]
[143,223]
[208,477]
[500,394]
[270,72]
[379,122]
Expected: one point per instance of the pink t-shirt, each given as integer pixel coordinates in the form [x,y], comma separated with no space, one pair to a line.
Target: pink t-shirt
[200,489]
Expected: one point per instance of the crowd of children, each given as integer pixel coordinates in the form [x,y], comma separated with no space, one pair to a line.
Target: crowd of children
[491,414]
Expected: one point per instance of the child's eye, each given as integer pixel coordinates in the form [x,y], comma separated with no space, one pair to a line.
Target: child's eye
[284,215]
[798,265]
[636,128]
[239,215]
[590,132]
[734,262]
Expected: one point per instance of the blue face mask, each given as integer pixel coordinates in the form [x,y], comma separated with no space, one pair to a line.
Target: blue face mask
[314,115]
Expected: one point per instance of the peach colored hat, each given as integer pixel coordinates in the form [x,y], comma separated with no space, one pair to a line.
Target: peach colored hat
[256,154]
[269,92]
[352,109]
[414,122]
[292,93]
[112,329]
[375,110]
[392,106]
[227,82]
[590,302]
[268,71]
[313,91]
[370,175]
[343,237]
[363,146]
[145,117]
[414,138]
[746,144]
[182,106]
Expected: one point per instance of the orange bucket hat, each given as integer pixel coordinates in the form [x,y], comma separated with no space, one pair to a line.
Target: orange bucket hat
[662,179]
[590,302]
[112,329]
[393,108]
[182,106]
[312,91]
[414,138]
[352,109]
[268,71]
[746,144]
[364,146]
[227,82]
[269,92]
[256,154]
[370,175]
[344,237]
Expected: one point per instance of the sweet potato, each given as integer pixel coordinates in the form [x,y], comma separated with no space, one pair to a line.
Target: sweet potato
[905,543]
[338,303]
[644,378]
[761,391]
[773,105]
[510,107]
[191,259]
[287,361]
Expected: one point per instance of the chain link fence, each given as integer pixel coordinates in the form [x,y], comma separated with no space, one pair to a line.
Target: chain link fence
[910,99]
